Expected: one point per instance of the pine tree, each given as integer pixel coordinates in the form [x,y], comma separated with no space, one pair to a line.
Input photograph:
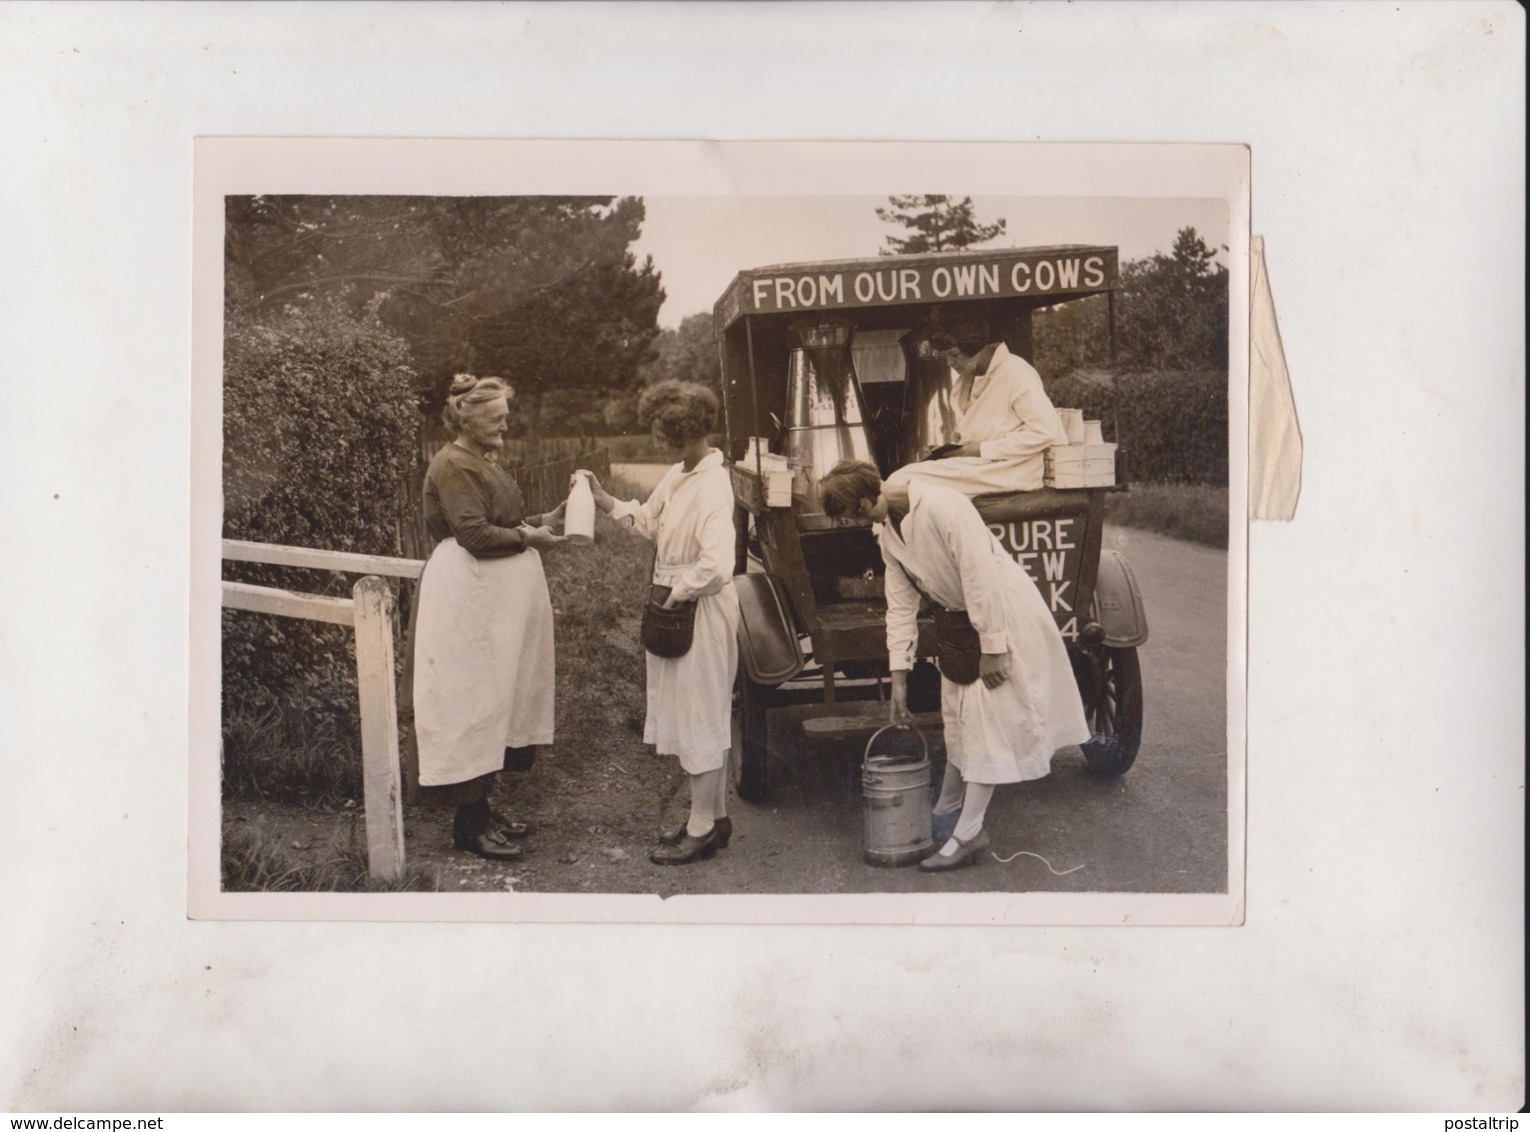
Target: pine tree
[936,224]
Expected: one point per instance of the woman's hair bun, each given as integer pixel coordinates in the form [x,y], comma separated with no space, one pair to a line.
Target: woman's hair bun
[461,383]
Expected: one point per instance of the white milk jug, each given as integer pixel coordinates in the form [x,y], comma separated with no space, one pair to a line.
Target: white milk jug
[579,514]
[1073,424]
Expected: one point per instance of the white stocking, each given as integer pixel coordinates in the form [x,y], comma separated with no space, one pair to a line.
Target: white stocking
[720,799]
[951,786]
[970,824]
[703,799]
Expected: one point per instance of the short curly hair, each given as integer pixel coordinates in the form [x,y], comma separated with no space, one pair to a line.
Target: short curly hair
[679,411]
[847,483]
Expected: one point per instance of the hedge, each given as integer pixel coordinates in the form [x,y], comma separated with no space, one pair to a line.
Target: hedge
[1173,425]
[320,426]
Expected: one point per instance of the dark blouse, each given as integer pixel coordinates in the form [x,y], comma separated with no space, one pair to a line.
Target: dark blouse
[473,500]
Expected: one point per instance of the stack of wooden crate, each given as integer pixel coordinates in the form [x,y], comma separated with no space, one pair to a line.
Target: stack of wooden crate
[1080,465]
[774,471]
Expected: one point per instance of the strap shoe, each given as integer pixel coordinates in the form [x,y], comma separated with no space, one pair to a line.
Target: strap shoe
[967,853]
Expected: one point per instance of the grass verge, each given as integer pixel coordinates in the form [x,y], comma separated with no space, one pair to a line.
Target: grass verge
[272,750]
[1192,512]
[256,860]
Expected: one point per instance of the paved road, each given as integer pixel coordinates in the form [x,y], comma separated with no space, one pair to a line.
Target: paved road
[642,477]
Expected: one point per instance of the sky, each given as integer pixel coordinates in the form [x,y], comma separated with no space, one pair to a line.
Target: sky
[700,243]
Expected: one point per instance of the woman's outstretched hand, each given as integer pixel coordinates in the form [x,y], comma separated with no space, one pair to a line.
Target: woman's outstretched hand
[552,519]
[603,498]
[541,538]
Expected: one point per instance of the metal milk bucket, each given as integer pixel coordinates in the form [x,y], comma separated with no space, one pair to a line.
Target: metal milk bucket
[895,793]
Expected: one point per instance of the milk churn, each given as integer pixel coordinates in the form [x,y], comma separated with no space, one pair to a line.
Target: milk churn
[928,408]
[895,791]
[825,417]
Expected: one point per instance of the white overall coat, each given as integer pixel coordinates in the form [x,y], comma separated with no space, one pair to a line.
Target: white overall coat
[1010,417]
[1004,734]
[689,516]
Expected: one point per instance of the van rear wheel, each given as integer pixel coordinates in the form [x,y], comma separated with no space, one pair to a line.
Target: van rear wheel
[749,758]
[1113,708]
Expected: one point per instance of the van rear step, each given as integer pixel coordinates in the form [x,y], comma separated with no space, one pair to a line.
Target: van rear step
[864,723]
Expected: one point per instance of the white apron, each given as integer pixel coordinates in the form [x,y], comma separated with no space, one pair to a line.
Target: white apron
[483,662]
[1009,733]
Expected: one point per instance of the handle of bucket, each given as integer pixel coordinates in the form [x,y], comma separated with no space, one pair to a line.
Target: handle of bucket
[866,758]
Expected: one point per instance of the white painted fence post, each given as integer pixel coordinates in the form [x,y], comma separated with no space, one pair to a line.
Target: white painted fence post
[382,793]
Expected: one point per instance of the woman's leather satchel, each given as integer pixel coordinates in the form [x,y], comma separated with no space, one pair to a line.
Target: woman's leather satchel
[668,633]
[957,645]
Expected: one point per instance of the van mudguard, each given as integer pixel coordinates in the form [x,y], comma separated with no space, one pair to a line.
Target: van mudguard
[1118,602]
[768,647]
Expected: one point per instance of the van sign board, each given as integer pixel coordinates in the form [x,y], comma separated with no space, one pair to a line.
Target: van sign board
[894,280]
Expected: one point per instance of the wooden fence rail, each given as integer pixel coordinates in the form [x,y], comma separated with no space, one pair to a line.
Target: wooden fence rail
[369,610]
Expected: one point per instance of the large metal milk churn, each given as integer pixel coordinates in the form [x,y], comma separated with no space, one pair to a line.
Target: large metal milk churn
[825,415]
[895,792]
[929,406]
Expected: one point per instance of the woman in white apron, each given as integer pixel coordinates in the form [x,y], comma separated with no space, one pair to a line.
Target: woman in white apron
[1024,704]
[689,516]
[483,642]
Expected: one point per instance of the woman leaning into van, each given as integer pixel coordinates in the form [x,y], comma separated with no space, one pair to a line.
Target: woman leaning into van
[689,516]
[1013,701]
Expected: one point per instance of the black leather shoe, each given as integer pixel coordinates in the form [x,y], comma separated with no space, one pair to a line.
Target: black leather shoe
[723,827]
[491,846]
[690,849]
[463,837]
[508,827]
[967,853]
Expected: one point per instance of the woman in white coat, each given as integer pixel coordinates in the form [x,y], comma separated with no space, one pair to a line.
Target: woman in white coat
[1006,725]
[1005,421]
[689,516]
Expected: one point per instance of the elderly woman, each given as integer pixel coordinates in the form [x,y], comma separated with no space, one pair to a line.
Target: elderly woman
[1005,421]
[483,645]
[1024,704]
[689,516]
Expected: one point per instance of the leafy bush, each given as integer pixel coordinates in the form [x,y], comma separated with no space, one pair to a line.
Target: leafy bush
[320,430]
[1173,425]
[301,754]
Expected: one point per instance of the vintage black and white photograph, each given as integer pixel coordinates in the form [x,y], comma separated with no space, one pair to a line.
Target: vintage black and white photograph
[639,544]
